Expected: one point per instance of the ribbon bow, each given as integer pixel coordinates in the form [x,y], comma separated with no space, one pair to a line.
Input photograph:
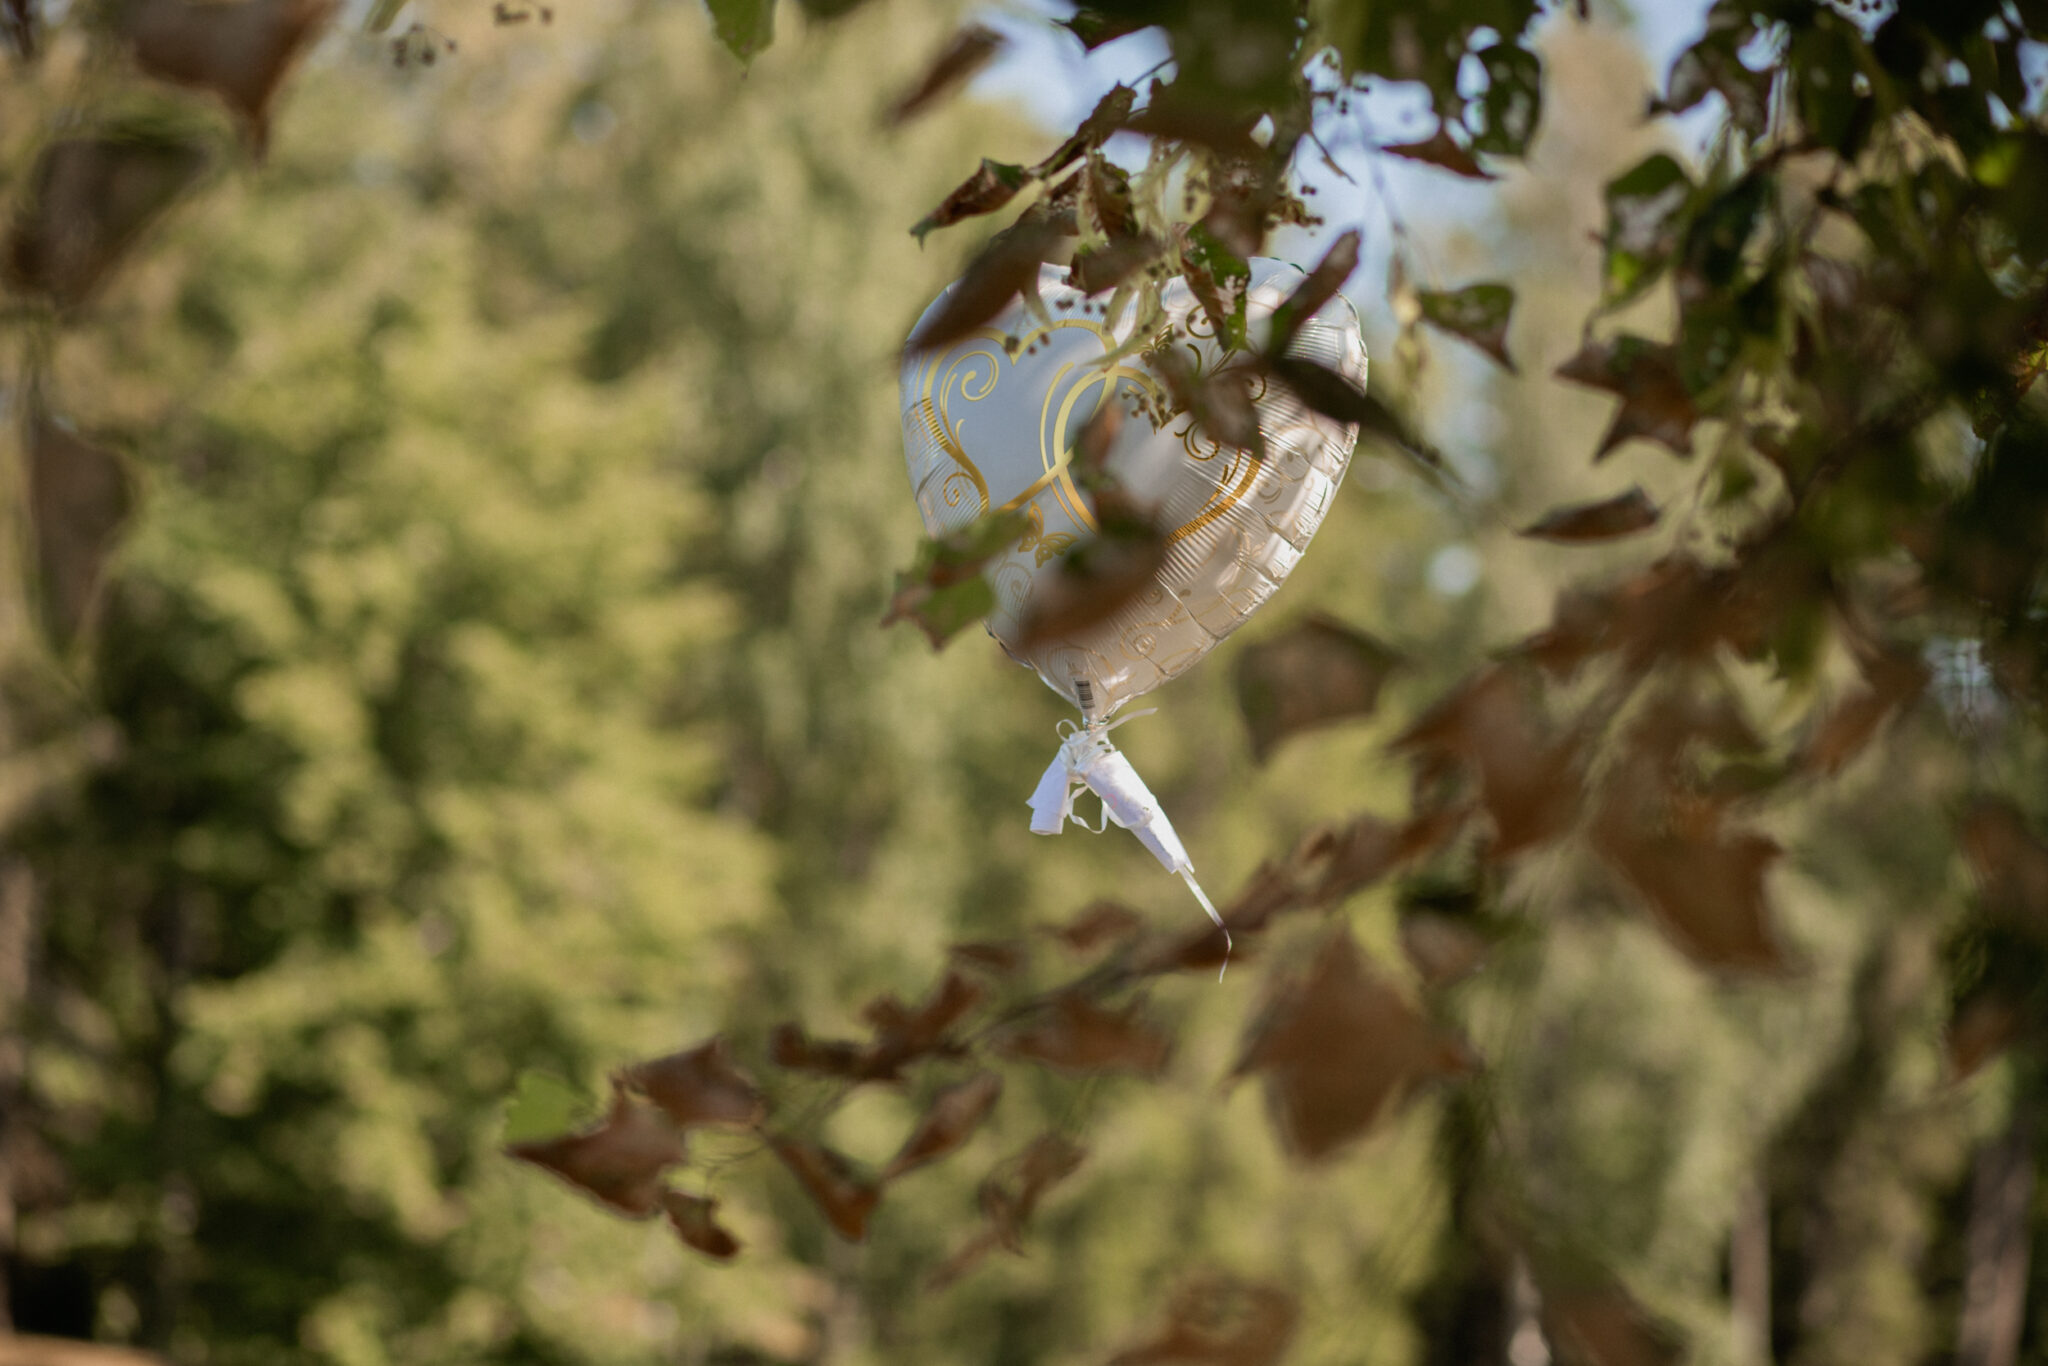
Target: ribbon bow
[1088,759]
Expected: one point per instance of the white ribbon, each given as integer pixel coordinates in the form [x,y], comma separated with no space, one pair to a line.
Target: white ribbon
[1088,759]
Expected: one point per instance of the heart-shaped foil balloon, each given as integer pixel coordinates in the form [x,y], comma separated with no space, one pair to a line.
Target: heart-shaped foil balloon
[990,422]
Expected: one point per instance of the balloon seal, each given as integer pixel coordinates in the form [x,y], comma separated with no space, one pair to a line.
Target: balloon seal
[1087,759]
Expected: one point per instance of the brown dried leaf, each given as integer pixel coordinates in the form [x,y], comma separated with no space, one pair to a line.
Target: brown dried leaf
[971,49]
[1098,923]
[1319,287]
[1442,949]
[241,50]
[964,1259]
[1205,123]
[1220,402]
[997,957]
[1221,1321]
[791,1048]
[89,200]
[2011,866]
[1338,860]
[1046,1160]
[694,1219]
[1075,1034]
[1099,269]
[1004,269]
[1009,1197]
[1106,118]
[1092,446]
[620,1162]
[1983,1027]
[1677,609]
[1529,783]
[700,1086]
[1893,680]
[1654,401]
[953,1116]
[1329,864]
[1625,514]
[1091,582]
[1439,150]
[1318,672]
[993,184]
[1109,197]
[1478,314]
[1241,206]
[1332,395]
[1704,882]
[1340,1050]
[1274,889]
[846,1198]
[1604,1327]
[79,499]
[902,1034]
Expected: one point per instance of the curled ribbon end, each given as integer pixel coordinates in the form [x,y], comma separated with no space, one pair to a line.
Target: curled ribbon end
[1187,875]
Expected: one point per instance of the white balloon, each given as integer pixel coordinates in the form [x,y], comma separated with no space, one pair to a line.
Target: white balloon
[989,423]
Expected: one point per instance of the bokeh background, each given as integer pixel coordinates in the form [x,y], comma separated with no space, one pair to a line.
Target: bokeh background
[486,691]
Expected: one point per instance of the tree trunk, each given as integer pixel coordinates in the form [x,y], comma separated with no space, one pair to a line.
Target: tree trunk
[1995,1285]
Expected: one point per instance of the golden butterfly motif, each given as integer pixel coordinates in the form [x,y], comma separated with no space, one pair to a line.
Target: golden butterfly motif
[1042,546]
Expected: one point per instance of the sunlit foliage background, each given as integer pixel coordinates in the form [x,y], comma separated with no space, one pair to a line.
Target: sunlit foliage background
[483,691]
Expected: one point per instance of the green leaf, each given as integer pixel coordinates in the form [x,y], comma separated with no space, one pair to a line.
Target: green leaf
[382,14]
[746,27]
[944,592]
[1220,279]
[1721,228]
[1709,342]
[1477,314]
[1094,27]
[1645,211]
[1504,119]
[543,1106]
[943,613]
[1713,66]
[1825,59]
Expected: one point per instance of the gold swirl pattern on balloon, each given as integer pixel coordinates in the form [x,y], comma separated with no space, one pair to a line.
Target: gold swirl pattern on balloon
[959,377]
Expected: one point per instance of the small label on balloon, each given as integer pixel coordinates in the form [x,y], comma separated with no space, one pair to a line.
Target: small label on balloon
[1084,693]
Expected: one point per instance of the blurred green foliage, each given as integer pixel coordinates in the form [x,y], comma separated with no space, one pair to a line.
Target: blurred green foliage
[488,694]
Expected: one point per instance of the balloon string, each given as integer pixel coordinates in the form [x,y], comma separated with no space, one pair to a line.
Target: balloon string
[1187,875]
